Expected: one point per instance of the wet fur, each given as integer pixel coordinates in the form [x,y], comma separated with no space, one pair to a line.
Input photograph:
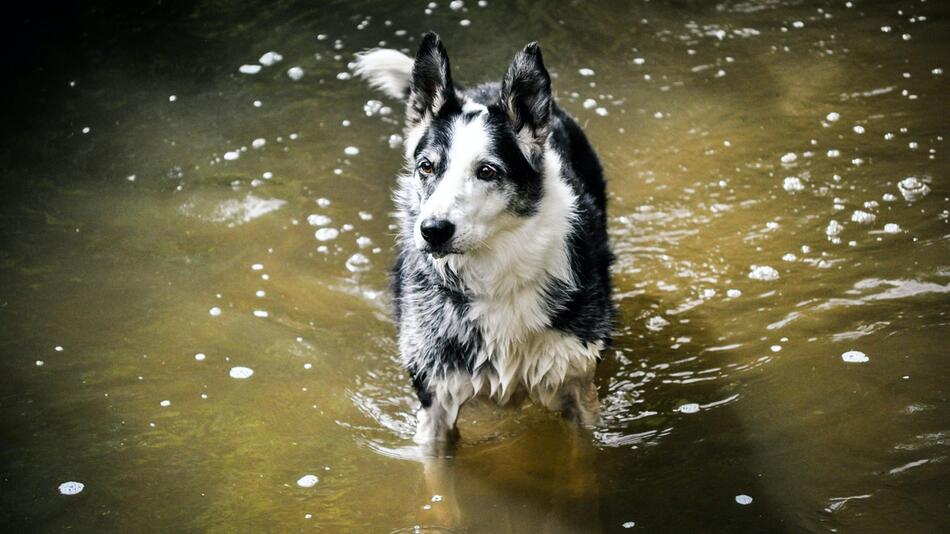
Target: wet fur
[524,308]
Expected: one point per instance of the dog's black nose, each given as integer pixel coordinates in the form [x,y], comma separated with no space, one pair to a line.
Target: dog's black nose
[437,232]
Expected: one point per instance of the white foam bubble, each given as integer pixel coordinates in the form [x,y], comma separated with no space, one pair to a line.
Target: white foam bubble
[71,488]
[270,58]
[832,117]
[232,155]
[200,356]
[691,407]
[586,72]
[241,372]
[743,499]
[763,273]
[854,356]
[351,151]
[834,228]
[234,211]
[792,184]
[733,293]
[165,403]
[913,188]
[249,69]
[656,323]
[215,311]
[261,313]
[789,157]
[326,234]
[258,143]
[315,219]
[892,228]
[308,481]
[862,217]
[295,73]
[357,263]
[372,107]
[589,103]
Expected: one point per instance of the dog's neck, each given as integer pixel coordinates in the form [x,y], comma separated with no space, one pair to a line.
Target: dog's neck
[527,257]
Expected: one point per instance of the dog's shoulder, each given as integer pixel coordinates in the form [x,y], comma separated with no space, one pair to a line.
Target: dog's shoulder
[584,169]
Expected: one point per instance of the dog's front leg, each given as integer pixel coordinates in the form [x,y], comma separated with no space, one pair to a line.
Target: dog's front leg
[441,400]
[583,404]
[436,422]
[577,401]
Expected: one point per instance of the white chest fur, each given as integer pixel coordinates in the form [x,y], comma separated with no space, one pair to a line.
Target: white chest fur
[506,281]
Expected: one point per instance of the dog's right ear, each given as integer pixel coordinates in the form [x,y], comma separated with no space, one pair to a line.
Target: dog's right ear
[430,85]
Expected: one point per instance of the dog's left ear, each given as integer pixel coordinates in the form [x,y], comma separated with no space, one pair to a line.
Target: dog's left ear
[526,97]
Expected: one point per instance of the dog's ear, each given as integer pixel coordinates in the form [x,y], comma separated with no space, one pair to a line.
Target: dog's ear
[430,85]
[526,97]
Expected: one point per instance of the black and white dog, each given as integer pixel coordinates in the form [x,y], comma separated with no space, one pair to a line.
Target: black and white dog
[501,284]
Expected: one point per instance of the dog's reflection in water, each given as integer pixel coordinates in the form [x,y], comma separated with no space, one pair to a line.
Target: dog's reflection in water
[538,482]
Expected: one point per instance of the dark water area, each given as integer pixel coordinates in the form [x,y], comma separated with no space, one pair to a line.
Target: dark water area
[778,205]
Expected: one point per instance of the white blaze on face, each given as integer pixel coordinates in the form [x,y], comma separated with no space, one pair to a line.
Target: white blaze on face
[472,205]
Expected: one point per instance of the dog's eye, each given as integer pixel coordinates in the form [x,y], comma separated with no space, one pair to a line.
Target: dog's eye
[486,172]
[425,167]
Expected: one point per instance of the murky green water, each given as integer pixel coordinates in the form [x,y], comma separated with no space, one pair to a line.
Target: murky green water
[720,384]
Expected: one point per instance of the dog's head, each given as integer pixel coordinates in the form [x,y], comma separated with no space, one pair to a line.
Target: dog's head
[476,168]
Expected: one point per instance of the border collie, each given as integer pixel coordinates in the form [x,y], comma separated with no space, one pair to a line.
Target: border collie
[501,285]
